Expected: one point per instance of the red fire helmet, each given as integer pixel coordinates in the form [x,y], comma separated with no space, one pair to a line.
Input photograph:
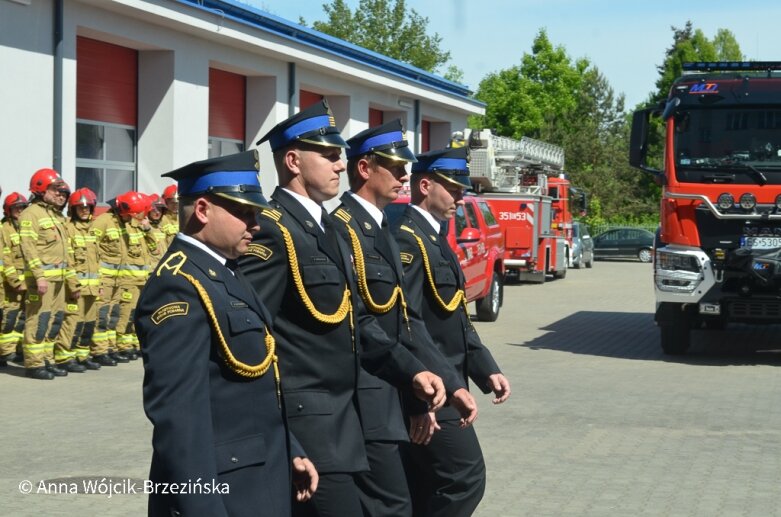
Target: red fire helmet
[83,197]
[13,199]
[170,192]
[131,203]
[42,179]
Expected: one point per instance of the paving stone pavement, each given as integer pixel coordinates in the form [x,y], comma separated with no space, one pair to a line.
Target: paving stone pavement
[600,423]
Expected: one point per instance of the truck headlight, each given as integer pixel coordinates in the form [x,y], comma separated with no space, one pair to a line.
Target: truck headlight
[725,201]
[677,262]
[748,201]
[677,272]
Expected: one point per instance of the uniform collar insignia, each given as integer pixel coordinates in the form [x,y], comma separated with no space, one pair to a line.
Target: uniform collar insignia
[367,226]
[212,273]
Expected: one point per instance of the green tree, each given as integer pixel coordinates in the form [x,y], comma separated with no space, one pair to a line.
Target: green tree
[386,27]
[692,45]
[455,74]
[525,99]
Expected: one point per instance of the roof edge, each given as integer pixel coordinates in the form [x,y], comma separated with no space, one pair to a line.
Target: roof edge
[270,23]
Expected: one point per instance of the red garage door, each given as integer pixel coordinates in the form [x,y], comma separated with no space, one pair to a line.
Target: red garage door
[107,82]
[307,98]
[106,111]
[227,101]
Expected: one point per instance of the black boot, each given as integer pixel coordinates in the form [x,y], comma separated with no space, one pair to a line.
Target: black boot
[73,367]
[90,365]
[104,360]
[39,373]
[56,370]
[132,354]
[120,357]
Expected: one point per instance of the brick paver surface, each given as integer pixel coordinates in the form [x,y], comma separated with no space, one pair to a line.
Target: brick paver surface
[600,422]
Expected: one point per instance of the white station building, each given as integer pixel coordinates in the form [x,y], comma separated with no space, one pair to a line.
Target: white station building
[113,93]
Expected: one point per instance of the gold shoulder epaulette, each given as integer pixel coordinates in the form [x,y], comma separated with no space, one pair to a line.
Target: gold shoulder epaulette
[407,228]
[173,263]
[272,213]
[343,215]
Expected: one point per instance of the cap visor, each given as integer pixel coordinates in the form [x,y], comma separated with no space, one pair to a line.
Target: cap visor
[403,154]
[460,180]
[327,140]
[245,198]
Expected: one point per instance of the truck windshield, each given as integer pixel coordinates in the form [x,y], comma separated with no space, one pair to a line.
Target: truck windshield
[741,144]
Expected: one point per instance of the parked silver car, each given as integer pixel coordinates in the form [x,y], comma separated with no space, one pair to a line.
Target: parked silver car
[582,246]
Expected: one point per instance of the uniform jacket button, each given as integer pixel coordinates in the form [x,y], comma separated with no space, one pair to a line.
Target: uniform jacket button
[234,459]
[300,407]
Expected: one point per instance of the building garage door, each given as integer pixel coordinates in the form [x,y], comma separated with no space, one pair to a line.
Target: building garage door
[106,117]
[227,107]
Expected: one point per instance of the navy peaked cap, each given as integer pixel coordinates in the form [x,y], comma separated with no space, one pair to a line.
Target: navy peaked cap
[314,125]
[235,177]
[386,140]
[451,164]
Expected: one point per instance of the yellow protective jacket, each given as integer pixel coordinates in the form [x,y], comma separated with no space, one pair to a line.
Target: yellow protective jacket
[85,256]
[134,268]
[44,242]
[13,260]
[157,243]
[107,229]
[169,223]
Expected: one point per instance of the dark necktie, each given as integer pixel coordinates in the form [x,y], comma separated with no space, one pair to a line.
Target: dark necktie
[385,228]
[232,264]
[448,253]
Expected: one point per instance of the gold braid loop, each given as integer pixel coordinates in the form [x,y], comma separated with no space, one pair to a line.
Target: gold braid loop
[458,298]
[363,286]
[331,319]
[242,369]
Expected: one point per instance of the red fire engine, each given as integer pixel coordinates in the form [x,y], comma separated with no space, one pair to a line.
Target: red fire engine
[718,251]
[524,182]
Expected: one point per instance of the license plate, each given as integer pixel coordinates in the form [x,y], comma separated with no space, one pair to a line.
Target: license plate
[760,243]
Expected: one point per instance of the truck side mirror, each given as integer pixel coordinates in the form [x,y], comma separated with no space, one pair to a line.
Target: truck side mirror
[638,143]
[469,235]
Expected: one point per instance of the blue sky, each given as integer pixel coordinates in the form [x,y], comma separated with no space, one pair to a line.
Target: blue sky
[625,39]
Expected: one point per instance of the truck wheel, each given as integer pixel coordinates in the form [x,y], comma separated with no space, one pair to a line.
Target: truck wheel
[562,273]
[644,255]
[676,338]
[488,307]
[577,263]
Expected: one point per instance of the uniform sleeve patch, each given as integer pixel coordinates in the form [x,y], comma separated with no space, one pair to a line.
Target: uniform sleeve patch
[260,251]
[406,258]
[170,310]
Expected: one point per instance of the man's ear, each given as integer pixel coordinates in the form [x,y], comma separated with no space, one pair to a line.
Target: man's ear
[425,185]
[363,167]
[201,210]
[292,160]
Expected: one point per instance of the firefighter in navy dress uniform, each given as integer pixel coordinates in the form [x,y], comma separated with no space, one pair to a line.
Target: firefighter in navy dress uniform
[448,474]
[211,382]
[376,167]
[303,272]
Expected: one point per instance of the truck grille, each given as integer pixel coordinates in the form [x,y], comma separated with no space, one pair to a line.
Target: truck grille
[755,309]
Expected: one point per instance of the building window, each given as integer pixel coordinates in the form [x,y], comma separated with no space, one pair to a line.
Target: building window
[105,158]
[224,146]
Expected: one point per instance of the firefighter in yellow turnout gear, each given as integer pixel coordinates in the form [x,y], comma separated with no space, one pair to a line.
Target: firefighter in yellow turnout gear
[156,237]
[81,314]
[134,269]
[44,245]
[107,230]
[170,220]
[13,285]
